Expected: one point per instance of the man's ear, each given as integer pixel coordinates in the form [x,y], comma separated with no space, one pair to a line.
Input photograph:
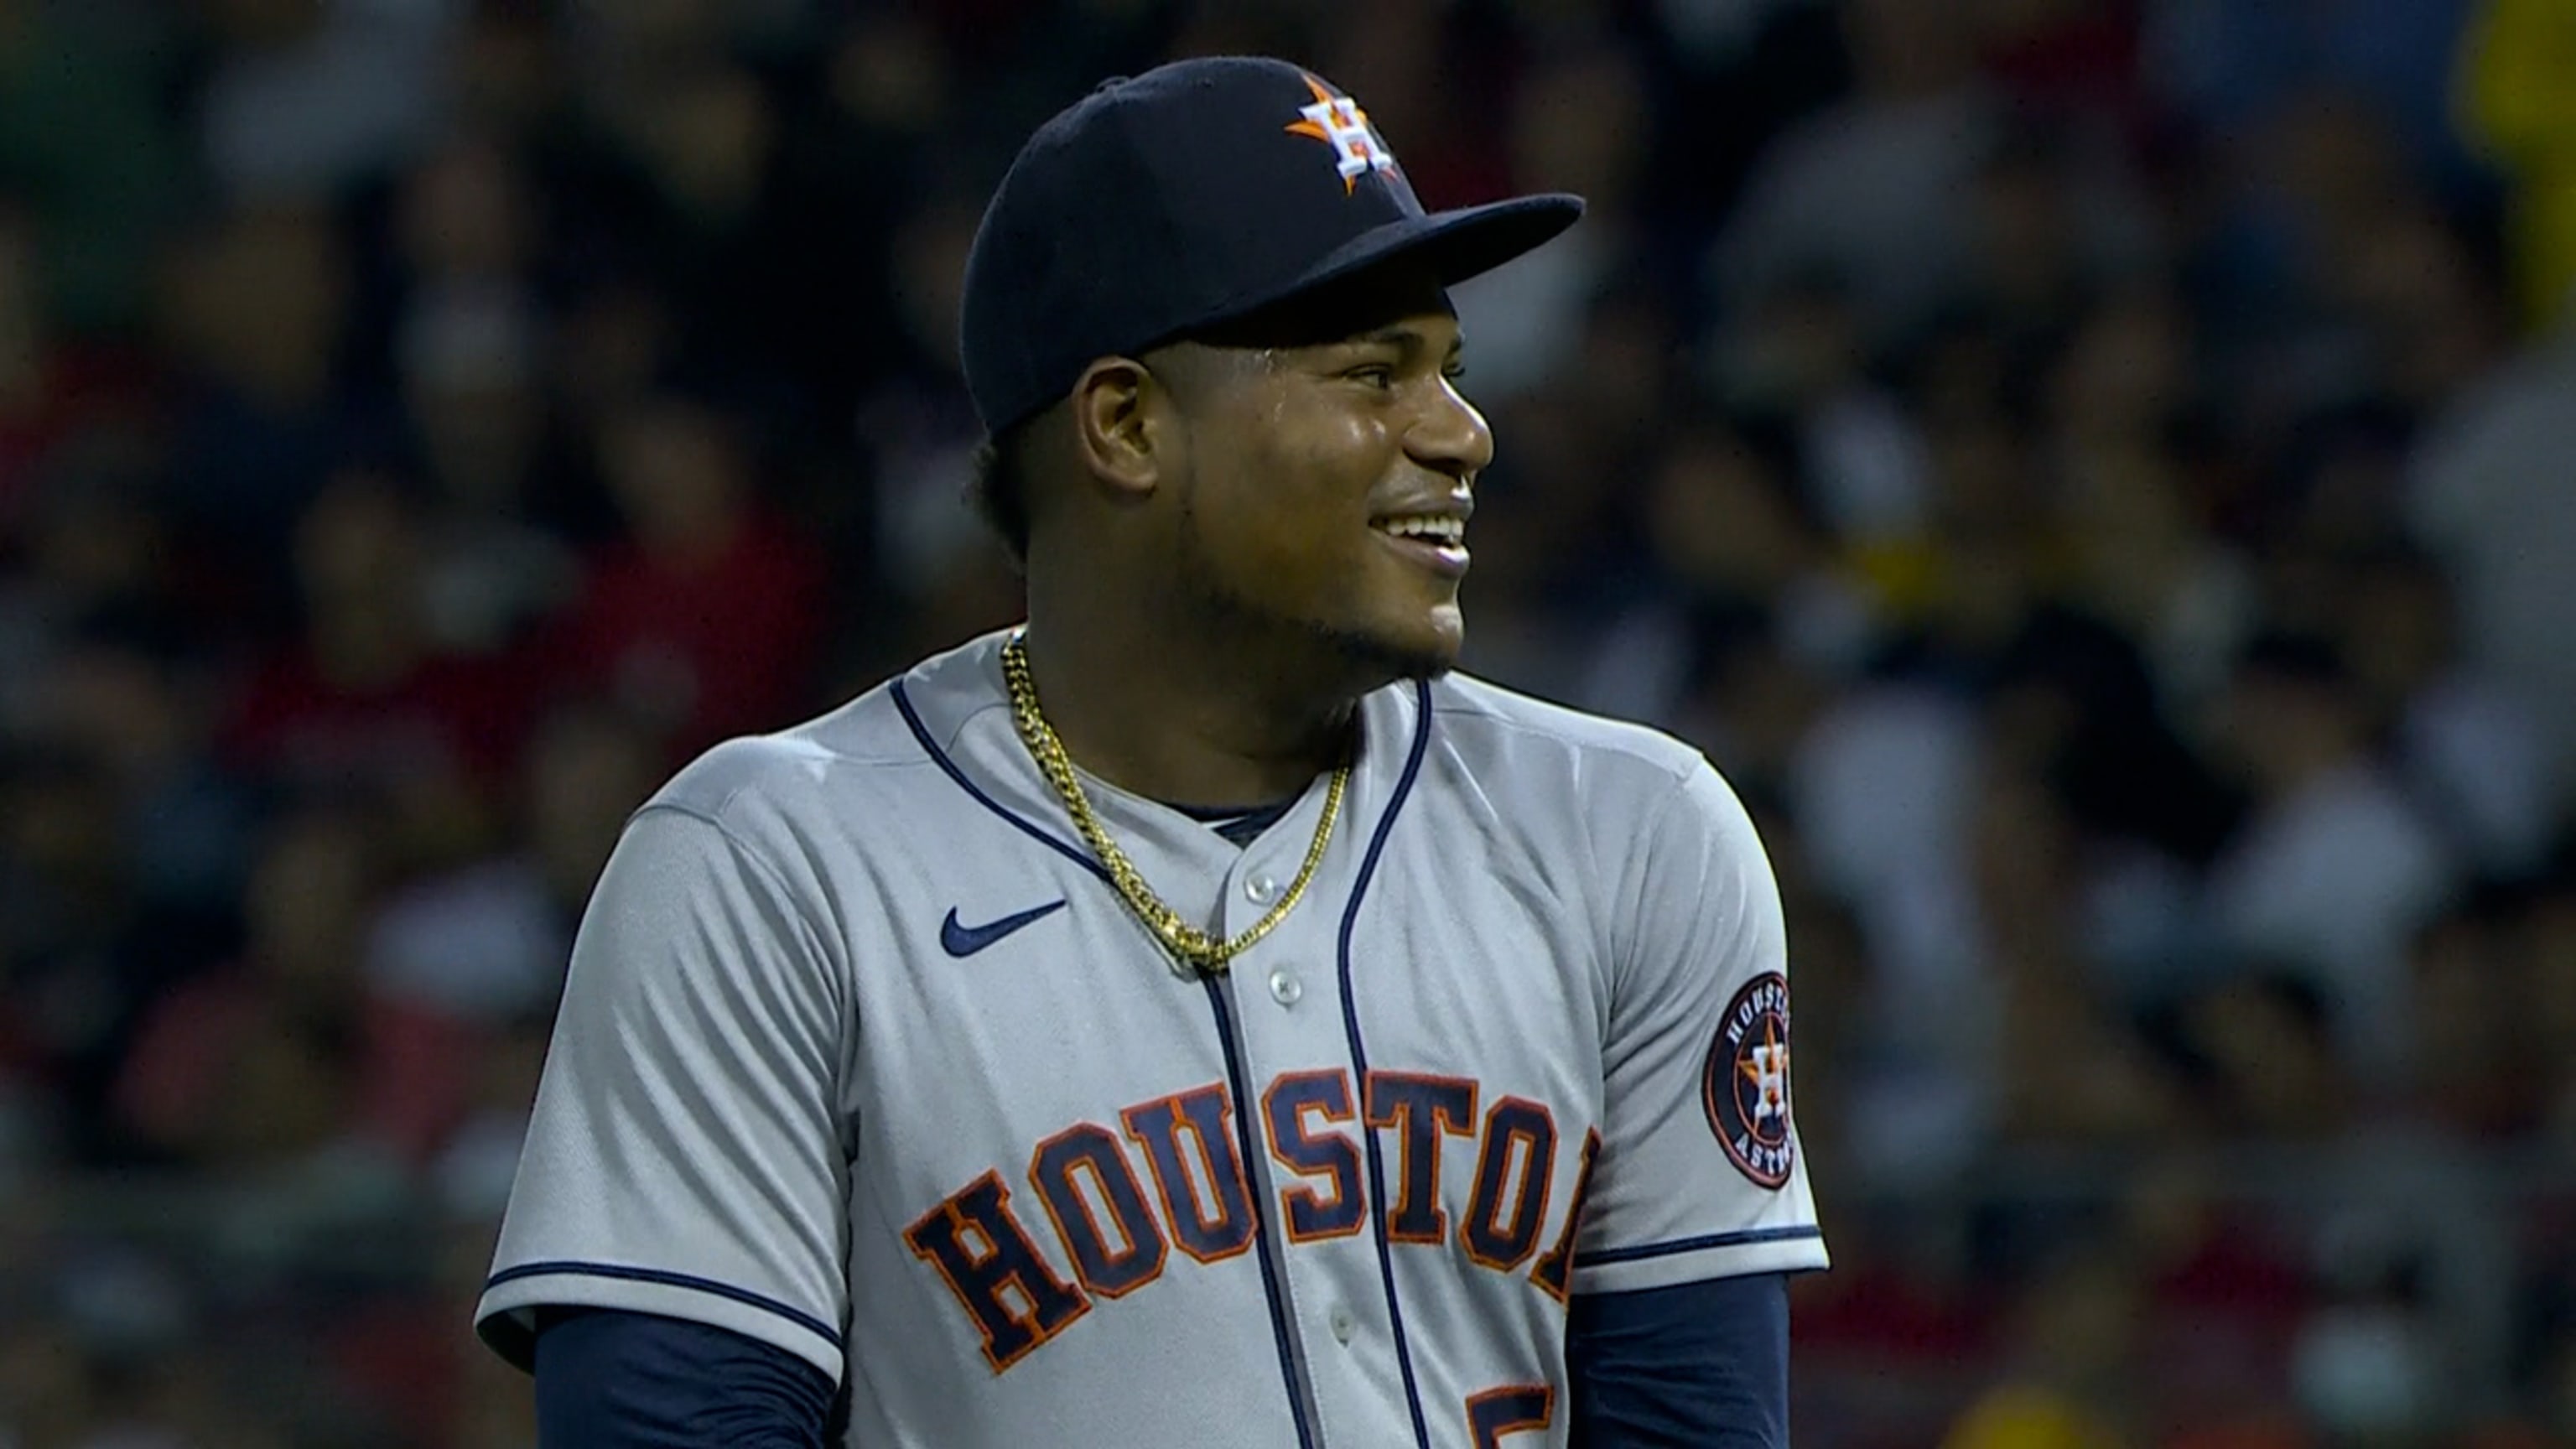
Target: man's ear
[1121,424]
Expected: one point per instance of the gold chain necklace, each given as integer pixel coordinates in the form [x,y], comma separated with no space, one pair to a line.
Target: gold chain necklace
[1192,947]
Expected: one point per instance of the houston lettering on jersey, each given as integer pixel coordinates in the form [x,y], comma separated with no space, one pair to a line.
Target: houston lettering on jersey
[1119,1201]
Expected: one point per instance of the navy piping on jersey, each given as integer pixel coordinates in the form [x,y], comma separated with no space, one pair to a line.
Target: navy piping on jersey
[939,757]
[744,1296]
[1359,1051]
[1254,1162]
[1279,1330]
[1696,1245]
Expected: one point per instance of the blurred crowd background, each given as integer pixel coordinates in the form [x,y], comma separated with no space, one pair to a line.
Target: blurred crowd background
[2095,473]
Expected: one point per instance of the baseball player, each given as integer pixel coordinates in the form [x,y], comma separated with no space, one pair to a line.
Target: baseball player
[1198,1017]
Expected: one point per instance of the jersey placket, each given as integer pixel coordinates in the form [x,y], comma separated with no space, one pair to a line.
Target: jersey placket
[1307,1098]
[1190,864]
[1279,1006]
[1284,1010]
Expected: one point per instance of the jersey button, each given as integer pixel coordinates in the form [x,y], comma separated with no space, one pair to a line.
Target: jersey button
[1284,987]
[1261,890]
[1343,1325]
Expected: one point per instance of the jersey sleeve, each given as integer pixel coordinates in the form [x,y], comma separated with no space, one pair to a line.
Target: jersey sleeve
[1699,1173]
[685,1157]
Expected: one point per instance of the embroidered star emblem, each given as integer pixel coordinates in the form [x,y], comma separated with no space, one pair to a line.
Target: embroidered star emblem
[1339,123]
[1768,1070]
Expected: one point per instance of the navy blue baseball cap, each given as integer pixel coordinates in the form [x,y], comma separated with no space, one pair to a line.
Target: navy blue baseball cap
[1164,204]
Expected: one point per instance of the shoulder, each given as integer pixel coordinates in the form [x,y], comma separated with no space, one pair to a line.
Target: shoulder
[857,759]
[1502,732]
[1639,794]
[810,821]
[821,763]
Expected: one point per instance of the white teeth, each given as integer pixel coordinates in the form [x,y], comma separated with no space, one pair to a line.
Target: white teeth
[1436,528]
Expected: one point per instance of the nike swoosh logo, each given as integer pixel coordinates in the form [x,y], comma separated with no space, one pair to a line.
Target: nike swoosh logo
[962,941]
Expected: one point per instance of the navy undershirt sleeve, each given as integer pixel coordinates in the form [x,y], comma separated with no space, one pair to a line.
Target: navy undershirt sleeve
[615,1380]
[1694,1366]
[1699,1364]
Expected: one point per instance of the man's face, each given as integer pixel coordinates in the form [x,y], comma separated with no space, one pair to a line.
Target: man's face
[1329,481]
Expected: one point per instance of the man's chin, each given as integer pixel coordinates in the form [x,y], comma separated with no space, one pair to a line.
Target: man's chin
[1386,655]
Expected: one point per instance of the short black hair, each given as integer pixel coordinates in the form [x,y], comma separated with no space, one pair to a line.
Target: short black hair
[999,489]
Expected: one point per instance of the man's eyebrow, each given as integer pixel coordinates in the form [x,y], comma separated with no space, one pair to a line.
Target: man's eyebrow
[1406,339]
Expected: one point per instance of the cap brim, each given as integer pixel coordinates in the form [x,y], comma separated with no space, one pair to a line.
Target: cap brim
[1458,244]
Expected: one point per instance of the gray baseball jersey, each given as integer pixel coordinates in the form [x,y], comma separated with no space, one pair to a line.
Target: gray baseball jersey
[861,1055]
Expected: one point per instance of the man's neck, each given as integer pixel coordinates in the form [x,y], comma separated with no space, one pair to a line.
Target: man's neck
[1174,719]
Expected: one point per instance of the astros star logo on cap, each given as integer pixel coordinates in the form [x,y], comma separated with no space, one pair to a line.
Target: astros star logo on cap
[1338,122]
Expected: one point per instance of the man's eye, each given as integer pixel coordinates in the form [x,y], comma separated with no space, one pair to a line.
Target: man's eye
[1455,372]
[1375,374]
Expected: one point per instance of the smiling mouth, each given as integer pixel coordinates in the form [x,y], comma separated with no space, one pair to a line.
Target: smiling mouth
[1438,529]
[1435,541]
